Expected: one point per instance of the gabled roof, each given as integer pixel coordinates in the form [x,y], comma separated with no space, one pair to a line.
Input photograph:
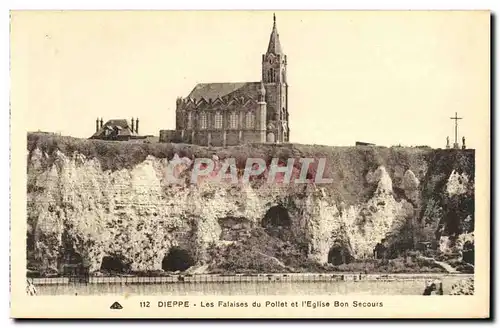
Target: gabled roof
[213,91]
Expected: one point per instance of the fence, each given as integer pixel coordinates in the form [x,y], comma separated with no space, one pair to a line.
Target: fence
[239,278]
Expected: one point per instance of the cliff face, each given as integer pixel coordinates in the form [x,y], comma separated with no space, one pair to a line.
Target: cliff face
[104,202]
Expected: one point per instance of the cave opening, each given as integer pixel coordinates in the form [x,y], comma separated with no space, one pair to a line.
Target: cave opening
[338,255]
[277,221]
[277,216]
[177,259]
[113,264]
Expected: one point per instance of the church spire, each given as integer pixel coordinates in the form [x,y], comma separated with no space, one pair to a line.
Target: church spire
[274,41]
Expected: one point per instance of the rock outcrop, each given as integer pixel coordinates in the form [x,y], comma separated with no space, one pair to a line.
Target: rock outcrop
[79,205]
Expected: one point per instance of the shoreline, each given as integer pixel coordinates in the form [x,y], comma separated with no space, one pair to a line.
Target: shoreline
[246,278]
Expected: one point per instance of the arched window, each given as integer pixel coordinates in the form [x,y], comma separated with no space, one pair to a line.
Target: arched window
[203,121]
[233,120]
[218,120]
[271,75]
[249,120]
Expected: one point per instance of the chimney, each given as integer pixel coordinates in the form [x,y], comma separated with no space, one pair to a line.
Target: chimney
[137,125]
[101,122]
[132,125]
[97,124]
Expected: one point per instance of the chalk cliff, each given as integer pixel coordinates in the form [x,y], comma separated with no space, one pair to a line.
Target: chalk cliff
[97,201]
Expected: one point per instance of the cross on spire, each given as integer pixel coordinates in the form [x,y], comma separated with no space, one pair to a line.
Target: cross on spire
[456,118]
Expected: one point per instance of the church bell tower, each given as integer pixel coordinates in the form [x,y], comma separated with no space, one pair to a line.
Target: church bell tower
[274,63]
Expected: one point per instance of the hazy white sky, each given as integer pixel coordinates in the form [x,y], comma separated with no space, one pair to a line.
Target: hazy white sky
[381,77]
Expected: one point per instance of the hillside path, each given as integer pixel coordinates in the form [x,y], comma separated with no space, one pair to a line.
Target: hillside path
[444,265]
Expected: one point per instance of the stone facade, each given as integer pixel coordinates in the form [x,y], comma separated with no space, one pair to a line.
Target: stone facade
[227,114]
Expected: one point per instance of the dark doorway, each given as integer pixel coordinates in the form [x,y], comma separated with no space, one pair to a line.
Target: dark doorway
[113,264]
[177,259]
[338,255]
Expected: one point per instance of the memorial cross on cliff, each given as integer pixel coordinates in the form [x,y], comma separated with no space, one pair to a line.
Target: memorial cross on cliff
[456,118]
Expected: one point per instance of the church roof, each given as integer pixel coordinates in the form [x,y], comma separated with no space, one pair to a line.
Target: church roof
[213,91]
[274,41]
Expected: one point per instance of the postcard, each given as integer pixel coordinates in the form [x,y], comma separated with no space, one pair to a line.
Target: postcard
[250,164]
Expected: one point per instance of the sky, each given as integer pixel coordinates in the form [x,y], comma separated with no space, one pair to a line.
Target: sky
[387,78]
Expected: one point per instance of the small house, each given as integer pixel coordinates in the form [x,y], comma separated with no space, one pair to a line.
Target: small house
[117,129]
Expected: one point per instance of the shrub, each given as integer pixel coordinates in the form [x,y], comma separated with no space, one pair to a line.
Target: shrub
[259,253]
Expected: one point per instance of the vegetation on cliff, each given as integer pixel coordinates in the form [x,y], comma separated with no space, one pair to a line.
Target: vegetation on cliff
[346,166]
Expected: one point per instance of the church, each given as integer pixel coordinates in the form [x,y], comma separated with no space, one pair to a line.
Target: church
[228,114]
